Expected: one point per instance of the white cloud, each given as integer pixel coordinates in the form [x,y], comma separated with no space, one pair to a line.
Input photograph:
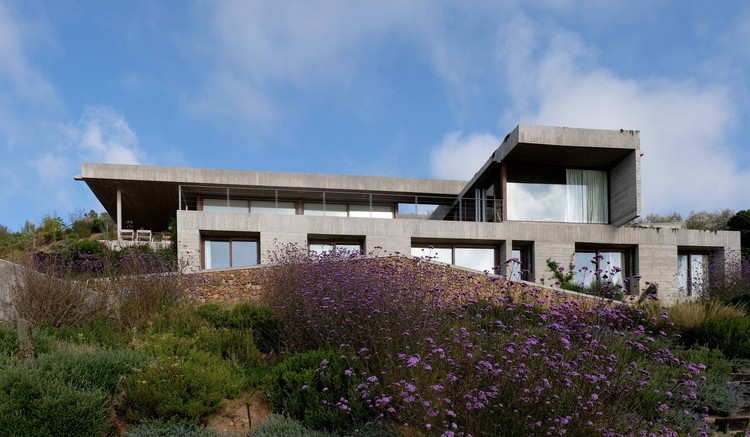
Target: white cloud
[460,157]
[103,135]
[255,48]
[555,79]
[26,82]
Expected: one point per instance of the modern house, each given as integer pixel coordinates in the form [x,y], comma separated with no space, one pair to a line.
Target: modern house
[545,193]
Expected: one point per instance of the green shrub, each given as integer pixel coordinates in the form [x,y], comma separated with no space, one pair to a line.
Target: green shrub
[32,404]
[716,392]
[715,361]
[182,321]
[259,319]
[179,389]
[277,425]
[231,344]
[99,332]
[741,300]
[730,335]
[9,341]
[86,245]
[156,429]
[313,387]
[100,369]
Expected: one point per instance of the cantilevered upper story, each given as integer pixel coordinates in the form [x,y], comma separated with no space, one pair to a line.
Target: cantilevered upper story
[545,193]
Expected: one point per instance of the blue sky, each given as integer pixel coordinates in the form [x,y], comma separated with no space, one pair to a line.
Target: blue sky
[419,88]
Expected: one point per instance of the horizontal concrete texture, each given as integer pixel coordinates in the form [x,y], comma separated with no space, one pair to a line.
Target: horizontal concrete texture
[551,240]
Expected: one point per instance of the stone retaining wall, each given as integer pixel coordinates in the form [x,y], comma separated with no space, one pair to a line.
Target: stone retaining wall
[226,286]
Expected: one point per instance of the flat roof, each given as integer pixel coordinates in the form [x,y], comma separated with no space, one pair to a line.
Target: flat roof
[563,146]
[150,193]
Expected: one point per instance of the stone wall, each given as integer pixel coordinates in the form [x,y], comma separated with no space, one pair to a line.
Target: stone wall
[226,286]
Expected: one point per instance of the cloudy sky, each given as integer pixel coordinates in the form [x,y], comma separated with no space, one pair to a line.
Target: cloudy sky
[419,88]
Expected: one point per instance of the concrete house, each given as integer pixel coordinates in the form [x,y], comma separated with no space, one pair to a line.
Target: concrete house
[545,193]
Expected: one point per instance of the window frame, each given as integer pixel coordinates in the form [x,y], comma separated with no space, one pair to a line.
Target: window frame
[229,240]
[628,257]
[690,285]
[334,243]
[453,247]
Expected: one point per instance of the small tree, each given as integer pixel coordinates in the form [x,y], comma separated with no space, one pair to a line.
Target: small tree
[741,222]
[709,220]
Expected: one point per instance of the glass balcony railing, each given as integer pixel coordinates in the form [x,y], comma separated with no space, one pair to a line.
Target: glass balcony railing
[338,203]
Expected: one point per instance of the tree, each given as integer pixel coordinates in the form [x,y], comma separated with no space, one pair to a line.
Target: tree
[709,220]
[741,222]
[667,218]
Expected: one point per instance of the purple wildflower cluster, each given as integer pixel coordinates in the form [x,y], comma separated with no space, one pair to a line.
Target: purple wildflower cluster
[486,356]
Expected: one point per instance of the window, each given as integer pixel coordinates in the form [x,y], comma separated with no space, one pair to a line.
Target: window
[520,264]
[325,209]
[692,273]
[321,247]
[376,211]
[416,210]
[597,267]
[225,253]
[557,194]
[345,210]
[225,205]
[272,207]
[477,258]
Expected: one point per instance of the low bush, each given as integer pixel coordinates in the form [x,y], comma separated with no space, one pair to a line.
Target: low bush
[99,332]
[683,318]
[47,299]
[181,389]
[143,297]
[9,341]
[156,429]
[716,392]
[319,389]
[88,369]
[32,404]
[730,335]
[277,425]
[259,319]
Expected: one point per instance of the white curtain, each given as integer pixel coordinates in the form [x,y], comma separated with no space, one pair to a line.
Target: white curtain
[587,196]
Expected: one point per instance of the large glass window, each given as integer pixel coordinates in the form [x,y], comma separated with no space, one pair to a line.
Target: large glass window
[477,258]
[692,273]
[225,253]
[325,209]
[416,211]
[272,207]
[225,205]
[376,211]
[575,196]
[322,247]
[594,268]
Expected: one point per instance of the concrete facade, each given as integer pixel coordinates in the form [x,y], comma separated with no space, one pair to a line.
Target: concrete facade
[150,195]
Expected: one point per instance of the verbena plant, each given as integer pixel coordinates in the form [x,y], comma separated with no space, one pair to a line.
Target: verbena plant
[486,357]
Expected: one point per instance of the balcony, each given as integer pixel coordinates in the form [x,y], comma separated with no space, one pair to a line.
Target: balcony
[355,204]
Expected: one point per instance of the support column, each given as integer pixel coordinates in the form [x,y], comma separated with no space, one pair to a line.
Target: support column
[119,215]
[505,252]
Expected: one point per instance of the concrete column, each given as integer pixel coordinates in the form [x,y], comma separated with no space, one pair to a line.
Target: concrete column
[119,215]
[505,252]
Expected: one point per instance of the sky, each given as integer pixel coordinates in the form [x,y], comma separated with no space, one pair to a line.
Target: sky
[417,88]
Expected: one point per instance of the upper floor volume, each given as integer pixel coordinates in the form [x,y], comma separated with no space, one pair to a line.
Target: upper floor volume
[538,173]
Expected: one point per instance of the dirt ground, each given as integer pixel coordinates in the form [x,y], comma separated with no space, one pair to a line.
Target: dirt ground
[233,419]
